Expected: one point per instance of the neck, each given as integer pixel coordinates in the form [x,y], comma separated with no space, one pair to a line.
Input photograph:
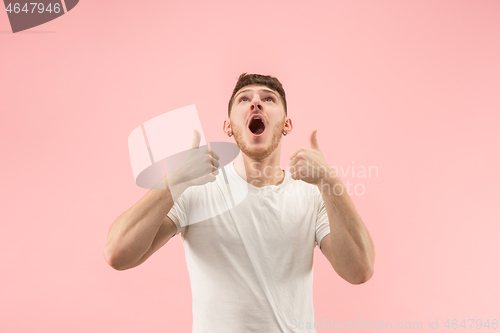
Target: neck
[260,173]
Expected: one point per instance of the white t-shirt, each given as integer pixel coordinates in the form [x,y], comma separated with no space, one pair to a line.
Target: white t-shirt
[249,252]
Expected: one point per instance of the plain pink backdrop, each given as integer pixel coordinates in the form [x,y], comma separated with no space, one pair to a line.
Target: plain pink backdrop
[410,87]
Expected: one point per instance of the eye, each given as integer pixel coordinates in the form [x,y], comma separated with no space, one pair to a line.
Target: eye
[241,99]
[272,100]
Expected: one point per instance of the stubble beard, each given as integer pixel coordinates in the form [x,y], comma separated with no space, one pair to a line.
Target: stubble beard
[258,153]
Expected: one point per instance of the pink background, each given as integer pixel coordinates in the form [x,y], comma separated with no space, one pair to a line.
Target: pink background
[410,87]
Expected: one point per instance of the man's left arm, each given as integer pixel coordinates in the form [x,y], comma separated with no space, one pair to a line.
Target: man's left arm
[349,247]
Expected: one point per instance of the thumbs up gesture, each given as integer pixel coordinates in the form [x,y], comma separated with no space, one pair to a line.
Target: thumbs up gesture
[199,166]
[308,164]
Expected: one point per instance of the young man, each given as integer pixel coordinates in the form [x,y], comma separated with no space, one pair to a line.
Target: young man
[249,233]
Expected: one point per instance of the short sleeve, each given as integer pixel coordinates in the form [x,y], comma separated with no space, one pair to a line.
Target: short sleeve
[178,212]
[322,222]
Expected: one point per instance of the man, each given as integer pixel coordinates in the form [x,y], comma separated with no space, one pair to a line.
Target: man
[249,232]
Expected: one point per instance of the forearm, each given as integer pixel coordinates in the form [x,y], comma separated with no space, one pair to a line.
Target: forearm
[132,234]
[352,245]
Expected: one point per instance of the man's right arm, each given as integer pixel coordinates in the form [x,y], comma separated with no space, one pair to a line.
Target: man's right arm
[145,227]
[141,230]
[165,233]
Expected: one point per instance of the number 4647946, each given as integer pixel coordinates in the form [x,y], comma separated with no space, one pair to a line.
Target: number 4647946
[479,324]
[40,8]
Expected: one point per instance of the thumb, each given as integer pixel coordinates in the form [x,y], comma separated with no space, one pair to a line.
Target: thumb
[314,140]
[196,139]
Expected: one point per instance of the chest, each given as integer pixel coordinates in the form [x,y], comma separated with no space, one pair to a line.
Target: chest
[270,223]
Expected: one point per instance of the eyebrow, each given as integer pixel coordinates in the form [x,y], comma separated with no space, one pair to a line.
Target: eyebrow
[266,90]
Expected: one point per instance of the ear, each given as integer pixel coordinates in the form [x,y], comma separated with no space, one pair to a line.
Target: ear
[288,125]
[226,127]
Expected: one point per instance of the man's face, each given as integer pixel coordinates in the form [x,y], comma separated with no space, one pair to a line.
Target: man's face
[257,138]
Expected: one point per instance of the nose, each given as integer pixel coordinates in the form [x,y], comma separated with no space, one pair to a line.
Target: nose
[256,104]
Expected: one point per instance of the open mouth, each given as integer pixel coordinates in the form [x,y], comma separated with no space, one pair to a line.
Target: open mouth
[256,125]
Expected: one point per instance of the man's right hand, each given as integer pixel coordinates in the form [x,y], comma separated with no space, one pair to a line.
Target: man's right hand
[200,166]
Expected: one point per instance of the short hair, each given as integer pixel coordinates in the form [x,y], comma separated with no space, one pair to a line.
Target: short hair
[265,80]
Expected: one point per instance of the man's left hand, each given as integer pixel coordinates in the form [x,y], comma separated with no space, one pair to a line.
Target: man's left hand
[309,165]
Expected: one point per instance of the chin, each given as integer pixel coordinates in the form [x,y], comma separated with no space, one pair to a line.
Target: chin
[260,150]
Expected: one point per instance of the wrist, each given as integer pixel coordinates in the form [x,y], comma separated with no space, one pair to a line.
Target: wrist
[330,182]
[328,176]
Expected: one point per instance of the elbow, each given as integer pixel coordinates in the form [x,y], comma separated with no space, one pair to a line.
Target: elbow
[111,260]
[363,277]
[365,271]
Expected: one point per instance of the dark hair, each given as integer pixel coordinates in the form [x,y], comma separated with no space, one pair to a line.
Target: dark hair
[266,80]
